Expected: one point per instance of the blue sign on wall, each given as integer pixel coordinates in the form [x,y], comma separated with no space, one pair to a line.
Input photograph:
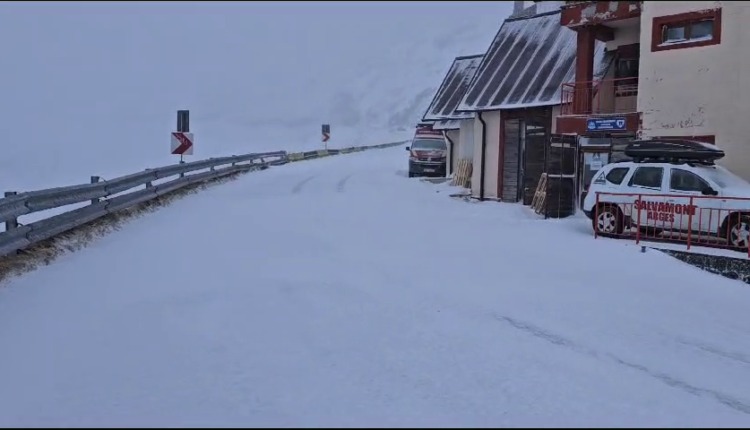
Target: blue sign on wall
[605,124]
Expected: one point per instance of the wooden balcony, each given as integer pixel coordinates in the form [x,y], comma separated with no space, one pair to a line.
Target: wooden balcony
[601,99]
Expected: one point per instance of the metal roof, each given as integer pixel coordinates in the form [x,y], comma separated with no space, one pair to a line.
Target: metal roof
[447,124]
[453,88]
[526,64]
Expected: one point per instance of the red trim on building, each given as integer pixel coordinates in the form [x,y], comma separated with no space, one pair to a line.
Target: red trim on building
[685,19]
[583,94]
[598,12]
[577,124]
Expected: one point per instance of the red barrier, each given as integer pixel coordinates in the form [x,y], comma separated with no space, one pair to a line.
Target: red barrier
[718,222]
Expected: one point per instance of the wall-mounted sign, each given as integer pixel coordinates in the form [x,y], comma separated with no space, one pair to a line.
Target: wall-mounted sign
[605,124]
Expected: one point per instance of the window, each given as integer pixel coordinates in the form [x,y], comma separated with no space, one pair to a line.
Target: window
[617,174]
[649,177]
[428,144]
[686,30]
[682,180]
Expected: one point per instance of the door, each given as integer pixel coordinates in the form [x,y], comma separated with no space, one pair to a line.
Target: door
[684,184]
[650,207]
[536,139]
[590,163]
[560,166]
[511,160]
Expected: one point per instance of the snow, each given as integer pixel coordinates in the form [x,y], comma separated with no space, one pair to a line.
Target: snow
[339,292]
[93,88]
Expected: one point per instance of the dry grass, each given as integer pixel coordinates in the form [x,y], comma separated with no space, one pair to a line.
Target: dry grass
[46,252]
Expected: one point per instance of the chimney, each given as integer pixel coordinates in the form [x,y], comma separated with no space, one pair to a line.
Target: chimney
[517,7]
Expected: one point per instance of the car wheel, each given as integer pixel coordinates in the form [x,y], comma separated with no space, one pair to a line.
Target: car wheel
[738,233]
[608,221]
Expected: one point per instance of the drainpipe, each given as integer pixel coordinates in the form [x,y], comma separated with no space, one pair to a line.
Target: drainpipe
[484,151]
[453,145]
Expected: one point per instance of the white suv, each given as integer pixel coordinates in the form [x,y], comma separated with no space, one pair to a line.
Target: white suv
[661,193]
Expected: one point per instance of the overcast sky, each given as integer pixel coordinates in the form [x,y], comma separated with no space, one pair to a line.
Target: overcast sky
[87,69]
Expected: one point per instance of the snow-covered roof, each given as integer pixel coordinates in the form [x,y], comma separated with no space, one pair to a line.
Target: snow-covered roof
[453,88]
[526,65]
[448,124]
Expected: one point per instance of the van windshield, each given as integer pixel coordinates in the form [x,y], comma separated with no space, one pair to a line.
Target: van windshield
[434,144]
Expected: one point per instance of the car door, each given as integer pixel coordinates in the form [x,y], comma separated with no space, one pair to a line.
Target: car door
[648,182]
[701,213]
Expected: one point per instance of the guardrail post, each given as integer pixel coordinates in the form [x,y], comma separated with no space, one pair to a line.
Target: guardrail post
[94,180]
[149,184]
[638,220]
[11,223]
[690,224]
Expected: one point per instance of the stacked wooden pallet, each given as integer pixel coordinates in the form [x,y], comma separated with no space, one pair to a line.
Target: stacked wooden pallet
[540,196]
[462,175]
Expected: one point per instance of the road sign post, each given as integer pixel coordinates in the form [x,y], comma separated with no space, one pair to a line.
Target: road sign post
[182,140]
[326,131]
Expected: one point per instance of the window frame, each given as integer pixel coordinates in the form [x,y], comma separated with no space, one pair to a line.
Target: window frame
[685,19]
[635,172]
[675,169]
[625,175]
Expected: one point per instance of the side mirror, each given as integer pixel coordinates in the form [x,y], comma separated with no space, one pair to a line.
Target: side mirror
[407,148]
[708,191]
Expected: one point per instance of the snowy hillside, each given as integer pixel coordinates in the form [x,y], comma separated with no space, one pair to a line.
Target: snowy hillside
[93,88]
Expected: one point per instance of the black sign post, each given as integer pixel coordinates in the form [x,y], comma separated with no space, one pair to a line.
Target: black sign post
[183,121]
[326,131]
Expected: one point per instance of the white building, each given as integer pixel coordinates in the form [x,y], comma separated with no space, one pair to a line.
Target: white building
[457,127]
[684,66]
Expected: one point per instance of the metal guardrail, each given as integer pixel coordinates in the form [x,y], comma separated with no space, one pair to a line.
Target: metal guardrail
[105,197]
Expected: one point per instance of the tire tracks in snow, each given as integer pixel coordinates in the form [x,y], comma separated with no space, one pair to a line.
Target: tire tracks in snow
[300,185]
[341,185]
[735,356]
[555,339]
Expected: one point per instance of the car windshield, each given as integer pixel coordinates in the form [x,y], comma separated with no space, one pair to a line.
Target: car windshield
[428,144]
[724,178]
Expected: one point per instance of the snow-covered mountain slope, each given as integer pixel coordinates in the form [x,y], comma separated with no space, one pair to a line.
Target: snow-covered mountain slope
[92,88]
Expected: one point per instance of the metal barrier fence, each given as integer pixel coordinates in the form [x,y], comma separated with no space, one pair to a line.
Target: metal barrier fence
[104,197]
[709,221]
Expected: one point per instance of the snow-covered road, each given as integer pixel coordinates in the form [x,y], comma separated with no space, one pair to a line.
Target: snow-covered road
[338,292]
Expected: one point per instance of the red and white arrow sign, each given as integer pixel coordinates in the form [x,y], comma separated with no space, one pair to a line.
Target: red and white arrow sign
[182,143]
[326,137]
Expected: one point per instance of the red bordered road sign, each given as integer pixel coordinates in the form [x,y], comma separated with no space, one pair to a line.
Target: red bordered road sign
[182,143]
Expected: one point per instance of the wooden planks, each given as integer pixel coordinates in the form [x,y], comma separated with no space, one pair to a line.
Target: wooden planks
[462,175]
[540,196]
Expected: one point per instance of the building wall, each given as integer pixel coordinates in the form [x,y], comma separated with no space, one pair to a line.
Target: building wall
[626,35]
[466,140]
[452,161]
[699,91]
[492,152]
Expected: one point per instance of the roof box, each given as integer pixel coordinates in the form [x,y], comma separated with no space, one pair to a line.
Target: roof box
[673,150]
[426,130]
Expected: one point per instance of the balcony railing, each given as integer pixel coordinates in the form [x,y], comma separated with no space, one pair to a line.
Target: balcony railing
[601,97]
